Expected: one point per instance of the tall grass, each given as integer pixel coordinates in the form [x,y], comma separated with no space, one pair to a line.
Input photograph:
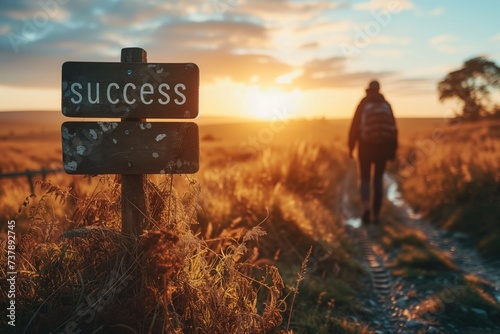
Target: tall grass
[220,254]
[457,183]
[294,187]
[33,149]
[168,281]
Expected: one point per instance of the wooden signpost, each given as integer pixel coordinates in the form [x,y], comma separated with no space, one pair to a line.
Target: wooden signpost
[132,90]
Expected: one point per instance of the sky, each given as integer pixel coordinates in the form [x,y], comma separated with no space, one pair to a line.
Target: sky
[257,58]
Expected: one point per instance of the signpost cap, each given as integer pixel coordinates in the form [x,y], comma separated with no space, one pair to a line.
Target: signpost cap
[134,54]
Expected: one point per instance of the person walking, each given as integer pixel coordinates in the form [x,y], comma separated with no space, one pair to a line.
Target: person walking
[374,130]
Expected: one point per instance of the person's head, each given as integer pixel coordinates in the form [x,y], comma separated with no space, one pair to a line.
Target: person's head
[373,87]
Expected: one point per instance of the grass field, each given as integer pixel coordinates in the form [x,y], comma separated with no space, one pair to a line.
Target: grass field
[452,175]
[247,245]
[252,243]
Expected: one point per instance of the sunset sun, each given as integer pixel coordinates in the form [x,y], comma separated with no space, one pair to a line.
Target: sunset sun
[271,103]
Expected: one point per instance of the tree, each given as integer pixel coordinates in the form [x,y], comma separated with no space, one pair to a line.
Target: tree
[472,84]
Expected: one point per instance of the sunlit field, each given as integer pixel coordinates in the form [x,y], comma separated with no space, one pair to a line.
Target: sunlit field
[225,251]
[453,177]
[252,243]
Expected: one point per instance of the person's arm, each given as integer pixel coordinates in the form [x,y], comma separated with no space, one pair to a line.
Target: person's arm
[355,125]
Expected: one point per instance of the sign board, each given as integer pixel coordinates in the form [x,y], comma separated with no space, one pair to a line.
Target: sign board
[130,90]
[130,147]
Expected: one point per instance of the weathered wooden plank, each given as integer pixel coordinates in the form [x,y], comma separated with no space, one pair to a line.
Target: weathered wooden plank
[130,90]
[130,147]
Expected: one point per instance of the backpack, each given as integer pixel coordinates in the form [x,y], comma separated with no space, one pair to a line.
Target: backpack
[377,123]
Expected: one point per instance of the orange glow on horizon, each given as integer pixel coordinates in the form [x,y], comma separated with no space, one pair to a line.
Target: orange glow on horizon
[227,98]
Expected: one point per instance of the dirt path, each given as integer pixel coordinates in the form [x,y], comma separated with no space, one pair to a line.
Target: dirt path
[457,246]
[393,302]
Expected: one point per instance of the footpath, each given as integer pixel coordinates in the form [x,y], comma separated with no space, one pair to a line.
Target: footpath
[405,304]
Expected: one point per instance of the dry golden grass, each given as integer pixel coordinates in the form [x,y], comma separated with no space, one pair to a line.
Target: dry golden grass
[222,249]
[168,281]
[456,180]
[27,148]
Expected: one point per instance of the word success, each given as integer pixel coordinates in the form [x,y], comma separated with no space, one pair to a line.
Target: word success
[129,93]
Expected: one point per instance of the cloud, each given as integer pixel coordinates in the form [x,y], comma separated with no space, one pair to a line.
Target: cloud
[310,46]
[441,39]
[332,73]
[437,11]
[221,49]
[435,71]
[127,21]
[240,68]
[318,28]
[39,15]
[282,12]
[394,53]
[214,35]
[413,85]
[388,40]
[442,43]
[245,45]
[324,34]
[495,38]
[393,5]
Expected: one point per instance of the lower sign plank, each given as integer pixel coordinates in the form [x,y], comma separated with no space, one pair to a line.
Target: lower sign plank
[130,147]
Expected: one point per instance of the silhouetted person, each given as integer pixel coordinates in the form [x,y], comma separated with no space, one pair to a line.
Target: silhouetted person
[374,129]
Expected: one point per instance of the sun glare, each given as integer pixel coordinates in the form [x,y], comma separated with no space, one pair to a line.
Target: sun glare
[271,103]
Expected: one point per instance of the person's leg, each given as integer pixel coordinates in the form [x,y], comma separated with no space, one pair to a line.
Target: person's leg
[365,171]
[378,187]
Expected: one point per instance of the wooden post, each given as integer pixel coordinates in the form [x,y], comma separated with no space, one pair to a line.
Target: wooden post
[29,175]
[133,147]
[134,186]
